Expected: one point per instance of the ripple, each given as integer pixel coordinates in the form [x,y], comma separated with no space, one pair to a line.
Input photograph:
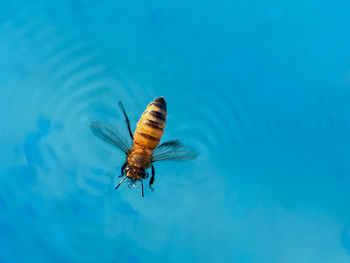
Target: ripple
[74,87]
[73,81]
[78,89]
[70,86]
[215,124]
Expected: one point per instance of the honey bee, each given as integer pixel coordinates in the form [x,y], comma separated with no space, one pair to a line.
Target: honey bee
[143,149]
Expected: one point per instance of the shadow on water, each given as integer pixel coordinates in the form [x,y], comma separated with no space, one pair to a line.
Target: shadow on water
[31,148]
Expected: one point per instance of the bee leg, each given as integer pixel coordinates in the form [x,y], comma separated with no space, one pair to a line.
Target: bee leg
[123,168]
[120,183]
[142,187]
[126,118]
[151,181]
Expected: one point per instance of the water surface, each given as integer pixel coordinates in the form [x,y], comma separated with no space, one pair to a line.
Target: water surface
[261,89]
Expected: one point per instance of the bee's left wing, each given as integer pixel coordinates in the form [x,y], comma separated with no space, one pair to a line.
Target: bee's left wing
[173,150]
[110,134]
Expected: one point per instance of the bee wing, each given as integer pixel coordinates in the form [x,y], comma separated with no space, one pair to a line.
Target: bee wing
[110,134]
[173,150]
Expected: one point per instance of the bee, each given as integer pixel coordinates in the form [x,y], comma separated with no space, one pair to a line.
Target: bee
[143,149]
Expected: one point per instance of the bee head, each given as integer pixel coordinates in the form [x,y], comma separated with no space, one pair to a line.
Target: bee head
[134,172]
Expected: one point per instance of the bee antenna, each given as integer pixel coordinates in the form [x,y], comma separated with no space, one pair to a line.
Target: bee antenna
[122,180]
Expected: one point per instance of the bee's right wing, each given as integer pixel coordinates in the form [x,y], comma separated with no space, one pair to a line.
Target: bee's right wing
[173,150]
[110,134]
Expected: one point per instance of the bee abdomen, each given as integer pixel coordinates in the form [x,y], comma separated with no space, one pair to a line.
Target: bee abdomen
[150,127]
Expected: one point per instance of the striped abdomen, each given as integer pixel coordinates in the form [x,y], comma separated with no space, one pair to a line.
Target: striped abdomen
[150,127]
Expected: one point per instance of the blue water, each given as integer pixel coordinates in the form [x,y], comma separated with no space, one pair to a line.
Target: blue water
[260,88]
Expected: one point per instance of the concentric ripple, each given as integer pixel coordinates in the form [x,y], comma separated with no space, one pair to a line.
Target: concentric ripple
[268,133]
[211,122]
[73,86]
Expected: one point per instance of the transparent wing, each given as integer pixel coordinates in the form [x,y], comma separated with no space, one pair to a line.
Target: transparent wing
[110,134]
[173,150]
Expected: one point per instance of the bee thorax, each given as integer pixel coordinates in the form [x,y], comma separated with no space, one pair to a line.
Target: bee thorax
[140,158]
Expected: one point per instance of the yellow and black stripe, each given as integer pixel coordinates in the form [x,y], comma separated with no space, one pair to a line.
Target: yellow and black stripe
[150,127]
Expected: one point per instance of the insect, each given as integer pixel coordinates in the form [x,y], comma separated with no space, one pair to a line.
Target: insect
[143,149]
